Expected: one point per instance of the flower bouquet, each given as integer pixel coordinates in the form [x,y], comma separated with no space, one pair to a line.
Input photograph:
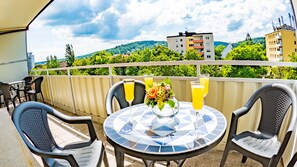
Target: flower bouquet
[160,98]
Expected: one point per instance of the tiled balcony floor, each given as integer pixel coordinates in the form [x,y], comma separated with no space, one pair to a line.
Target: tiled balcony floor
[65,134]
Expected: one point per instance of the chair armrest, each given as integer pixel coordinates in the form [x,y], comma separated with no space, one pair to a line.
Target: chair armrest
[78,120]
[69,157]
[234,121]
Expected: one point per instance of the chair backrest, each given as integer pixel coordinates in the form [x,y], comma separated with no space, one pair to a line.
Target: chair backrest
[30,119]
[37,82]
[5,89]
[27,80]
[276,99]
[117,91]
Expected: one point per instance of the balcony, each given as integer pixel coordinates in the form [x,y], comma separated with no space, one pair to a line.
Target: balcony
[279,52]
[198,47]
[278,37]
[85,95]
[198,40]
[279,44]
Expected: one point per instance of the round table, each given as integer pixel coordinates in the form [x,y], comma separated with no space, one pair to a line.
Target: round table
[144,140]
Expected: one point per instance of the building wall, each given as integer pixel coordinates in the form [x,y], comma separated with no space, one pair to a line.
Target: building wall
[289,43]
[280,44]
[208,44]
[203,44]
[177,44]
[13,60]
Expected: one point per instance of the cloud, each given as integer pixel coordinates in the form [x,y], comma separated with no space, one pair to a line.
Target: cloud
[117,21]
[68,14]
[234,25]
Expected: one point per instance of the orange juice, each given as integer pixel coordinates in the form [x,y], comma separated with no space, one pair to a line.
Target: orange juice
[129,91]
[197,96]
[148,81]
[205,82]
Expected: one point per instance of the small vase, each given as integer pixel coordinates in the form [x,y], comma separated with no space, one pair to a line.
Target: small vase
[166,116]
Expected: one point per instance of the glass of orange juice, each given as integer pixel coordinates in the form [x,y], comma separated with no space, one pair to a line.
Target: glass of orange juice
[148,81]
[197,89]
[204,79]
[129,92]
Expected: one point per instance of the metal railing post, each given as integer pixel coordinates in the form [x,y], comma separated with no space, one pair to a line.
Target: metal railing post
[110,75]
[71,90]
[198,69]
[50,87]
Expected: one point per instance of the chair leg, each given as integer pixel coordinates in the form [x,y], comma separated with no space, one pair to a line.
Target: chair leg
[225,155]
[29,96]
[244,158]
[105,159]
[35,97]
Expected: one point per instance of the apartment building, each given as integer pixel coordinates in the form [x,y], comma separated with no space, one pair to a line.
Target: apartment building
[203,43]
[281,43]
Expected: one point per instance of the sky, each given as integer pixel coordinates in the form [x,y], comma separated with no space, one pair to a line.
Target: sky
[93,25]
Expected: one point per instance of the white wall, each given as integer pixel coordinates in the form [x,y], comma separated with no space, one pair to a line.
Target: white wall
[13,59]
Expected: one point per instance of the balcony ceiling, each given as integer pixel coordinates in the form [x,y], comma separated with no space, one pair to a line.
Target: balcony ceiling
[17,15]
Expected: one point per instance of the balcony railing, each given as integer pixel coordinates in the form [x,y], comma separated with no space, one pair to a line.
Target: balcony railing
[85,95]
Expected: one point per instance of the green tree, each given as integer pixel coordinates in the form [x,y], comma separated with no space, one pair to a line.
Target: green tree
[53,62]
[193,55]
[246,51]
[70,56]
[218,51]
[101,57]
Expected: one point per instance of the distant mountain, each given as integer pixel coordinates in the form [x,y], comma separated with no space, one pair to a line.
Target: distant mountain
[260,40]
[130,47]
[217,43]
[134,46]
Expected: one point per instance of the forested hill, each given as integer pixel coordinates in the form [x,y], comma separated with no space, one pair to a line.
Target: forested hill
[140,45]
[260,40]
[133,46]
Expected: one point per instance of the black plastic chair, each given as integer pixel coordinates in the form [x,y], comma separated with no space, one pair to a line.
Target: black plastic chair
[26,87]
[6,90]
[264,145]
[31,121]
[293,161]
[117,91]
[37,85]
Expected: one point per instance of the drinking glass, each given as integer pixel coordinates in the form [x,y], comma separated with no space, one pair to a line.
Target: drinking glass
[204,79]
[129,94]
[148,81]
[197,89]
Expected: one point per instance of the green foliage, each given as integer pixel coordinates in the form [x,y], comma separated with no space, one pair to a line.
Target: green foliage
[135,46]
[193,55]
[258,40]
[69,55]
[218,51]
[246,51]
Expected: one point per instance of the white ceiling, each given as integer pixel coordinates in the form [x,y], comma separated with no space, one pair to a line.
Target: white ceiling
[16,15]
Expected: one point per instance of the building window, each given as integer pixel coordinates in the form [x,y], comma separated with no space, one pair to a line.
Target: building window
[176,40]
[294,42]
[191,45]
[208,56]
[207,37]
[208,50]
[191,39]
[181,40]
[177,46]
[181,45]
